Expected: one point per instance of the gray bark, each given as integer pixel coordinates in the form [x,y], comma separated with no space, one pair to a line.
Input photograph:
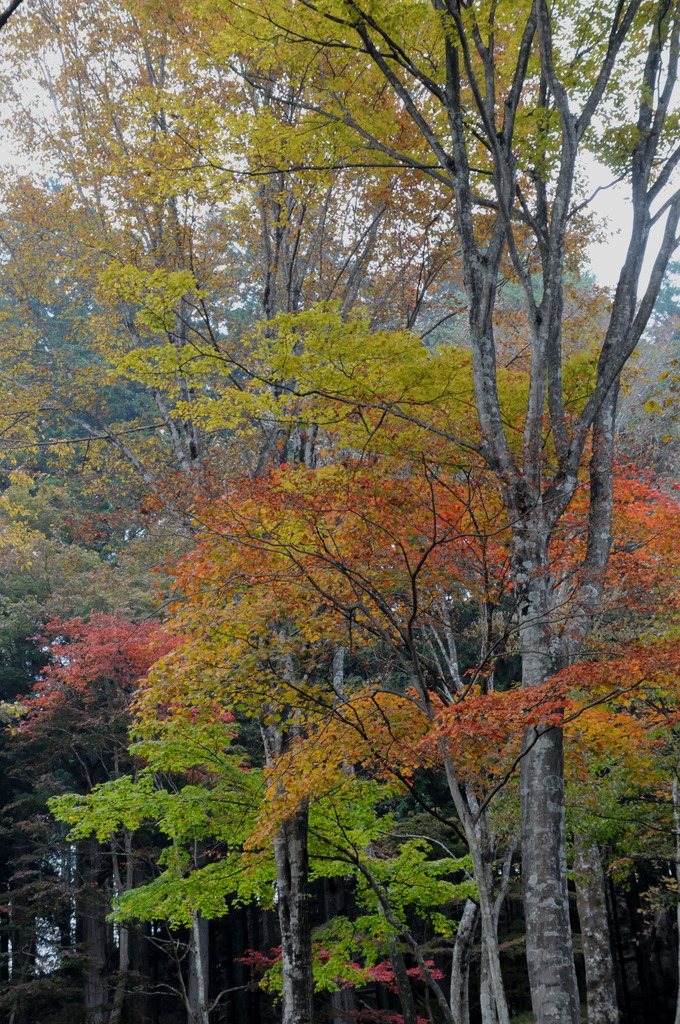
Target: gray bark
[487,1002]
[198,1011]
[343,1005]
[292,886]
[403,983]
[597,949]
[124,930]
[459,993]
[552,975]
[474,828]
[490,950]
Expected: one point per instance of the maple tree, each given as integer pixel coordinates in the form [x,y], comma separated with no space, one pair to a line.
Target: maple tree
[498,103]
[381,550]
[108,352]
[77,717]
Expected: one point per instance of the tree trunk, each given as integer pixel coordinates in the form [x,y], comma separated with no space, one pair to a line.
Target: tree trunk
[290,853]
[198,971]
[335,894]
[459,997]
[475,834]
[597,949]
[490,1014]
[676,815]
[486,1000]
[92,910]
[552,976]
[124,929]
[343,1006]
[121,980]
[292,890]
[550,956]
[401,979]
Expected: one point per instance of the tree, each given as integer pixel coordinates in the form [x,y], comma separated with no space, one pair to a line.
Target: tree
[188,264]
[395,548]
[198,793]
[202,250]
[500,102]
[653,388]
[74,731]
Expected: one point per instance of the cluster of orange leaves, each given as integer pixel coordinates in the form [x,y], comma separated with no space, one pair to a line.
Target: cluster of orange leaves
[354,553]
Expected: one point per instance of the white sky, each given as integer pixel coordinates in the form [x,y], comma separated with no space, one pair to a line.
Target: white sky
[614,204]
[606,257]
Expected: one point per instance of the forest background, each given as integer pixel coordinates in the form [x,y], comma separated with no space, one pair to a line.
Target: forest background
[339,539]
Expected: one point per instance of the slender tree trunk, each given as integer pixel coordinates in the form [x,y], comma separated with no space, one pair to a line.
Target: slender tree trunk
[474,834]
[124,933]
[401,978]
[292,890]
[22,954]
[486,1000]
[290,853]
[334,894]
[459,996]
[490,950]
[198,971]
[92,910]
[121,981]
[597,949]
[343,1006]
[676,815]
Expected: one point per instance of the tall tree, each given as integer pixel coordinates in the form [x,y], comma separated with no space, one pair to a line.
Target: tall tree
[501,100]
[76,728]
